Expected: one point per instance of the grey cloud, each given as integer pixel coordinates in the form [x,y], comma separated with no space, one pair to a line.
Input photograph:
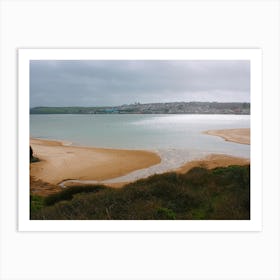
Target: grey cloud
[116,82]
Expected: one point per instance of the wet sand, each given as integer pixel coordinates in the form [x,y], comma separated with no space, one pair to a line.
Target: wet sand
[240,135]
[209,162]
[59,162]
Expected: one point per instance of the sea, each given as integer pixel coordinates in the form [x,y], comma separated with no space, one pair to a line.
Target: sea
[176,138]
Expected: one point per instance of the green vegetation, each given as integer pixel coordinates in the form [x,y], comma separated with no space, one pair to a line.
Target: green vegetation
[36,203]
[63,110]
[200,194]
[69,193]
[153,108]
[32,158]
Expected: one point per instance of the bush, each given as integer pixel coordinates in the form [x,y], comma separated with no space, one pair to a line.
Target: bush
[68,193]
[36,203]
[165,214]
[218,194]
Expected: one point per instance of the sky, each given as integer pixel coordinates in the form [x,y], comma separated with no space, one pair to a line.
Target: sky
[117,82]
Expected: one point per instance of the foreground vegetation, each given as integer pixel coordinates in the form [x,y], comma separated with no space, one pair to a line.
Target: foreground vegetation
[217,194]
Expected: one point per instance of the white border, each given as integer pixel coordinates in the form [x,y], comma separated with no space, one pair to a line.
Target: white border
[254,55]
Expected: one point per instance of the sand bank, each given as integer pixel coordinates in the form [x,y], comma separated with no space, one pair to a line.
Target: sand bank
[213,161]
[86,165]
[209,162]
[59,162]
[240,135]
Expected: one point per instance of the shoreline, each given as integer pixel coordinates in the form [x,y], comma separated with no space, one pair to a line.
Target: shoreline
[237,135]
[63,165]
[59,162]
[210,161]
[42,188]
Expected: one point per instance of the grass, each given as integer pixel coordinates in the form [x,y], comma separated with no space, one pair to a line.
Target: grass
[200,194]
[69,193]
[36,203]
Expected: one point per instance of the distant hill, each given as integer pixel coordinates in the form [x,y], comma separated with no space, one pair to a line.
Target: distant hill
[237,108]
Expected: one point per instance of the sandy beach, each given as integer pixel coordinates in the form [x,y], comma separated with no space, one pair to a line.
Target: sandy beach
[240,135]
[59,162]
[209,162]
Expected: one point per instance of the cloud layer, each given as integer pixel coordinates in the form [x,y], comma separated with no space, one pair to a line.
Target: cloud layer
[117,82]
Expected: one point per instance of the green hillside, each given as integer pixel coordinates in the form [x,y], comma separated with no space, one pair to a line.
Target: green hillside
[200,194]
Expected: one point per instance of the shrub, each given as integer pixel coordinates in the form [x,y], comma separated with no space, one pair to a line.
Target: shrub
[36,203]
[165,214]
[68,193]
[218,194]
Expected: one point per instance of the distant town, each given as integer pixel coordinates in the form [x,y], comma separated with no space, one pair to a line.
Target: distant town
[237,108]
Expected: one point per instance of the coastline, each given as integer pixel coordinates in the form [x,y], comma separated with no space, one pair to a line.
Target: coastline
[238,135]
[59,162]
[78,165]
[209,162]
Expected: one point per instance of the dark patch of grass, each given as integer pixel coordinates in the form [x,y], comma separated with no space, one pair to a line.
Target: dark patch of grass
[218,194]
[36,203]
[68,193]
[165,214]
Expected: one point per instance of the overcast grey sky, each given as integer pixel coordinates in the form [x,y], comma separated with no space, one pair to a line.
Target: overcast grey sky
[117,82]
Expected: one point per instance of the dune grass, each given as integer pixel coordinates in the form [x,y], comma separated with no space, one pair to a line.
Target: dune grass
[200,194]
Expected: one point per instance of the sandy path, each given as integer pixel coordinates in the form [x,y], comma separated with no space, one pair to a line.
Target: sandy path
[240,135]
[59,162]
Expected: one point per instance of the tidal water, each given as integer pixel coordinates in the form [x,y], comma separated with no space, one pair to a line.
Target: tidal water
[176,138]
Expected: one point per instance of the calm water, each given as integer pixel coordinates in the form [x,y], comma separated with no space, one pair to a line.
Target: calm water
[176,138]
[141,131]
